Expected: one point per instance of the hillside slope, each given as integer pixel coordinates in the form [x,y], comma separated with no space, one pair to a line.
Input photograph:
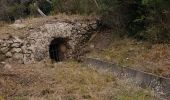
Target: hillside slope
[129,52]
[65,81]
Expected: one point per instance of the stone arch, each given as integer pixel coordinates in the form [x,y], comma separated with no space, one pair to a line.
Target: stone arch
[58,49]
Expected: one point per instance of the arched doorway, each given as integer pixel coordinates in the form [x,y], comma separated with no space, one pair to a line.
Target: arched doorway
[58,49]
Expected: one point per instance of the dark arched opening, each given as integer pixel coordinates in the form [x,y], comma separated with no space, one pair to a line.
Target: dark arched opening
[58,49]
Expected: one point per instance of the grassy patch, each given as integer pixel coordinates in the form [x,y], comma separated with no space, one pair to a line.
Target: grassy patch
[67,81]
[144,56]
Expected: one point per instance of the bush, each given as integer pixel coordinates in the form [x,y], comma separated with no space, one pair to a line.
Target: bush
[13,9]
[142,19]
[156,21]
[157,34]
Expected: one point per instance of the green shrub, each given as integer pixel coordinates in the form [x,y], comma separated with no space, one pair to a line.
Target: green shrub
[33,10]
[142,19]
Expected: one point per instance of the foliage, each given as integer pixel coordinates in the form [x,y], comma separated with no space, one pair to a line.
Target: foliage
[142,19]
[158,20]
[13,9]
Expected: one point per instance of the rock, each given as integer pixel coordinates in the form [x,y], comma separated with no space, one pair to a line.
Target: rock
[7,67]
[16,45]
[84,25]
[2,64]
[4,44]
[2,57]
[19,21]
[94,26]
[16,50]
[92,46]
[4,49]
[39,55]
[18,56]
[18,26]
[16,39]
[8,54]
[8,42]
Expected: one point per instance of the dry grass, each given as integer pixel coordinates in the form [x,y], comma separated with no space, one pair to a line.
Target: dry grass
[144,56]
[35,23]
[66,81]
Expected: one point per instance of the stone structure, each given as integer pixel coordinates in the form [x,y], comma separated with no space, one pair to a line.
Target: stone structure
[35,46]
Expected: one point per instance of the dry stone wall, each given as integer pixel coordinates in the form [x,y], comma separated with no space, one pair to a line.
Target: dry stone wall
[35,46]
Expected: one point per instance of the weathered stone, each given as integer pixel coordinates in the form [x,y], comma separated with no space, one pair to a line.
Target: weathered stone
[39,55]
[7,67]
[18,56]
[18,26]
[28,44]
[4,49]
[16,39]
[16,45]
[9,42]
[94,26]
[8,54]
[16,50]
[2,57]
[4,44]
[84,25]
[2,64]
